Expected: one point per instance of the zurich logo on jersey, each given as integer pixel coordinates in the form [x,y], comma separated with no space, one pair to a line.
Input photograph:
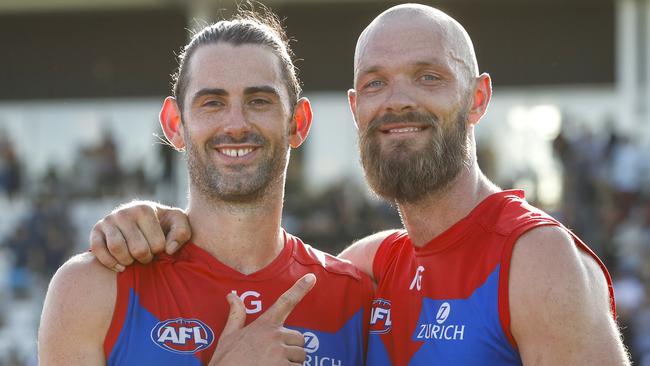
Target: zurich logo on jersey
[440,330]
[443,312]
[311,342]
[182,335]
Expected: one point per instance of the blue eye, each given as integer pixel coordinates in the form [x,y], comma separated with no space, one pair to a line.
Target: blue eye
[429,77]
[375,84]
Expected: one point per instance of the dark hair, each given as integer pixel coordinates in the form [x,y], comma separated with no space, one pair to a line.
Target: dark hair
[258,27]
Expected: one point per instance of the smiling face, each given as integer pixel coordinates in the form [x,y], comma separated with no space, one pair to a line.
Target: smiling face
[237,122]
[412,98]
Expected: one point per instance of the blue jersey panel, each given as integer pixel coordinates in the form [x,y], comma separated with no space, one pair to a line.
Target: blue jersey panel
[377,353]
[135,346]
[464,331]
[342,348]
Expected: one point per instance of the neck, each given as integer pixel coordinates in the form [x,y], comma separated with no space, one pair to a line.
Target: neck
[246,237]
[432,215]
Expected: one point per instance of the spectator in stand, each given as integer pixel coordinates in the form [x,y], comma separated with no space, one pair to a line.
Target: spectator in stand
[626,174]
[10,168]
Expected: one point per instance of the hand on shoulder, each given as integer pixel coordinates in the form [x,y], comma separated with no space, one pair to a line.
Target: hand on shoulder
[137,231]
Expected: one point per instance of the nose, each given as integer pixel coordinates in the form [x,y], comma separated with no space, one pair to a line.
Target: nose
[236,124]
[398,99]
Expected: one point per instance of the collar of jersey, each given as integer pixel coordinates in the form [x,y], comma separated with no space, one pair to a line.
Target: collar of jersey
[194,253]
[452,235]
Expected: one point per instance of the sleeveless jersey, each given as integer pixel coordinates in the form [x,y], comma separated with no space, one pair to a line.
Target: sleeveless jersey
[172,311]
[446,303]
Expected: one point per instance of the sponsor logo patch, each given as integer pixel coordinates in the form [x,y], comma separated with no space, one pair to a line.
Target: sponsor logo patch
[443,312]
[182,335]
[440,330]
[380,322]
[311,342]
[252,306]
[417,279]
[314,358]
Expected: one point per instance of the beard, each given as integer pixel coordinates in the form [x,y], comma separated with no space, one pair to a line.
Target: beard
[237,184]
[402,173]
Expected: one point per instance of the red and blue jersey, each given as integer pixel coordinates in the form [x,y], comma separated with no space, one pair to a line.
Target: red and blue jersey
[172,311]
[446,303]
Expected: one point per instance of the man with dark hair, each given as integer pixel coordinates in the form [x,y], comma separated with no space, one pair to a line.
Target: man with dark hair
[479,277]
[242,29]
[236,113]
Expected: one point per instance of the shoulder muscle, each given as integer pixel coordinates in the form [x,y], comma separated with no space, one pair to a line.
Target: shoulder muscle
[559,303]
[77,313]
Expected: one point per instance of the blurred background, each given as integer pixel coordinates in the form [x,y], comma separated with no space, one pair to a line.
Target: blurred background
[82,81]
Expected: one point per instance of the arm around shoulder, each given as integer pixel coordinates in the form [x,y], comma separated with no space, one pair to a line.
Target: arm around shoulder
[362,252]
[77,313]
[559,303]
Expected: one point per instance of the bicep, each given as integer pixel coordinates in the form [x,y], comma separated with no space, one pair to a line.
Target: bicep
[559,303]
[76,314]
[362,253]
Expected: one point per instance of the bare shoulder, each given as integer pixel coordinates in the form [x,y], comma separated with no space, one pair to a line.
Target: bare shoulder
[77,312]
[558,294]
[362,252]
[546,258]
[84,263]
[83,276]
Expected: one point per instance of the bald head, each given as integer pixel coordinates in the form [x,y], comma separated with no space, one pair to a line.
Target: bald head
[412,23]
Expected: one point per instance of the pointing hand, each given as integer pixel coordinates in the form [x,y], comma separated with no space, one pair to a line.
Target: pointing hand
[265,341]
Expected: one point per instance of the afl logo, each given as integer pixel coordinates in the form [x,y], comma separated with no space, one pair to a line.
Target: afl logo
[443,312]
[311,342]
[380,322]
[182,335]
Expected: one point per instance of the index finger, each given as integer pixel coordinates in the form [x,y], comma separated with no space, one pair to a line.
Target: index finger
[100,250]
[285,304]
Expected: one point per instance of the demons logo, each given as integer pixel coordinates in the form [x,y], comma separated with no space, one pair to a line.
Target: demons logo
[380,322]
[182,335]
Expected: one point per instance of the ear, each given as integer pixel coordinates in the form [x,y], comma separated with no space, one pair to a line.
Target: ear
[481,96]
[170,121]
[301,122]
[352,100]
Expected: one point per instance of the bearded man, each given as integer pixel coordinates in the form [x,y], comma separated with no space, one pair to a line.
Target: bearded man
[236,112]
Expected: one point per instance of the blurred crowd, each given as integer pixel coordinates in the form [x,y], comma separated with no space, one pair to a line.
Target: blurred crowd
[42,239]
[38,232]
[606,201]
[603,185]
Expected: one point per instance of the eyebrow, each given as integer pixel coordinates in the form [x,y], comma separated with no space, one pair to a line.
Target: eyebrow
[369,70]
[427,63]
[376,68]
[261,89]
[247,91]
[209,91]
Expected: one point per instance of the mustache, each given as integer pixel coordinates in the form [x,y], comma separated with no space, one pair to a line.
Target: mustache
[249,138]
[426,118]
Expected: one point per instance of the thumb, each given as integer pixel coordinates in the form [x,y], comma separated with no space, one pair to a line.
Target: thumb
[236,316]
